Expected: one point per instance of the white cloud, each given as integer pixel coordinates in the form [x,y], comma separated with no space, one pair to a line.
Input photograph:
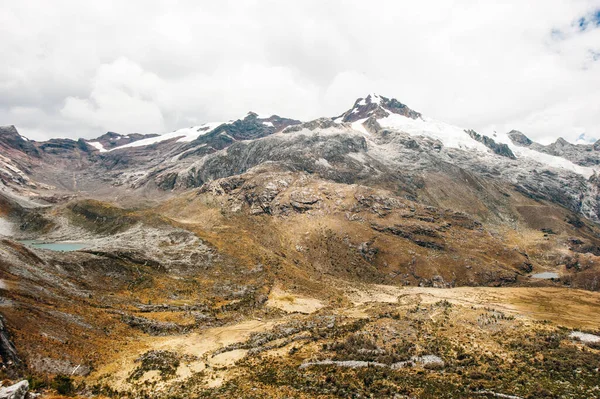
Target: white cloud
[81,68]
[123,98]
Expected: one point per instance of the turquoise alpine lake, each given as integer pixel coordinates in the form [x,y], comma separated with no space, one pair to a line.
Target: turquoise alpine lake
[55,246]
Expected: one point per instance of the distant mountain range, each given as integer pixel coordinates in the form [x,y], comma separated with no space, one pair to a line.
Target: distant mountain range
[377,140]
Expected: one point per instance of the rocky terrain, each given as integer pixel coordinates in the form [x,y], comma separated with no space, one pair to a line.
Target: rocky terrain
[378,253]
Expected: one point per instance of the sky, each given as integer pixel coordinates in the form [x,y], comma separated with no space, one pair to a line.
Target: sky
[82,68]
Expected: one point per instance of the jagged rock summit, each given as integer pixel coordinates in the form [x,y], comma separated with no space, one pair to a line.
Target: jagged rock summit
[374,105]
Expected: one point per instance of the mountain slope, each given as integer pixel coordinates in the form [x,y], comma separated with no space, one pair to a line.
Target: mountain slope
[258,256]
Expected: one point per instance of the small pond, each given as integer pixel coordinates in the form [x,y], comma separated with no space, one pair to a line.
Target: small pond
[55,246]
[545,275]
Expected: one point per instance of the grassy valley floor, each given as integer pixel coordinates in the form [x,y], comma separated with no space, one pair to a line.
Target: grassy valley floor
[384,341]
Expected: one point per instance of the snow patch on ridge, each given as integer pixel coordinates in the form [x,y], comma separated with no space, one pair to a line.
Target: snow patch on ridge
[375,98]
[260,115]
[450,136]
[456,137]
[97,146]
[323,162]
[546,159]
[358,126]
[184,135]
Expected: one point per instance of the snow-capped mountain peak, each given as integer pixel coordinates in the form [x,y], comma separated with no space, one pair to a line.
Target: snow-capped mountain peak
[377,106]
[392,115]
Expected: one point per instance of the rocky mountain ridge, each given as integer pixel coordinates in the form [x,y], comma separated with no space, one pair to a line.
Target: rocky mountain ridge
[379,140]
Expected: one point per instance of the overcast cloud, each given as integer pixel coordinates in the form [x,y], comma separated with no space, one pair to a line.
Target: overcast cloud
[81,68]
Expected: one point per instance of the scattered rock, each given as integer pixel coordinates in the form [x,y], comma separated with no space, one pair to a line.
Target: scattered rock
[584,337]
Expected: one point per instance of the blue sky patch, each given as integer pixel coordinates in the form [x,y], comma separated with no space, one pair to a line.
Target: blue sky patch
[589,21]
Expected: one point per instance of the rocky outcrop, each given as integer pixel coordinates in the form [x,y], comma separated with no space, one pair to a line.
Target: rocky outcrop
[64,147]
[519,138]
[422,236]
[376,106]
[153,327]
[8,352]
[10,139]
[293,151]
[16,391]
[580,154]
[250,128]
[497,148]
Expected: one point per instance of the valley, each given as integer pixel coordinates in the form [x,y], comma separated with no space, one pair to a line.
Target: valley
[378,253]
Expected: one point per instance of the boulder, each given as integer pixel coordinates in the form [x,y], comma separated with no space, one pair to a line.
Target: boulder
[16,391]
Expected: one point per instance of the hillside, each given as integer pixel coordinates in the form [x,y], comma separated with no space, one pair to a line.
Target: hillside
[376,253]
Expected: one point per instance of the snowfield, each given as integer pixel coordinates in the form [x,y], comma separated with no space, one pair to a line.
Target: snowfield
[185,135]
[456,137]
[97,146]
[450,136]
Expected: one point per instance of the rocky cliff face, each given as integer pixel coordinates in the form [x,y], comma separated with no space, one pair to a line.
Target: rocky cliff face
[378,107]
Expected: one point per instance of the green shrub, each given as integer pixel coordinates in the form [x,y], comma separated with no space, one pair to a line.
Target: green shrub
[63,384]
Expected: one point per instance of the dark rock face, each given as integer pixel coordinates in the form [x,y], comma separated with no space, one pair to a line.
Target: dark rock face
[8,352]
[152,327]
[291,152]
[519,138]
[581,154]
[377,107]
[321,123]
[63,146]
[498,148]
[250,128]
[423,237]
[397,107]
[11,139]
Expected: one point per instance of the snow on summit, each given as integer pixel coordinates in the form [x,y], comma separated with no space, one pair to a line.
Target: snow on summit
[450,136]
[184,135]
[393,115]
